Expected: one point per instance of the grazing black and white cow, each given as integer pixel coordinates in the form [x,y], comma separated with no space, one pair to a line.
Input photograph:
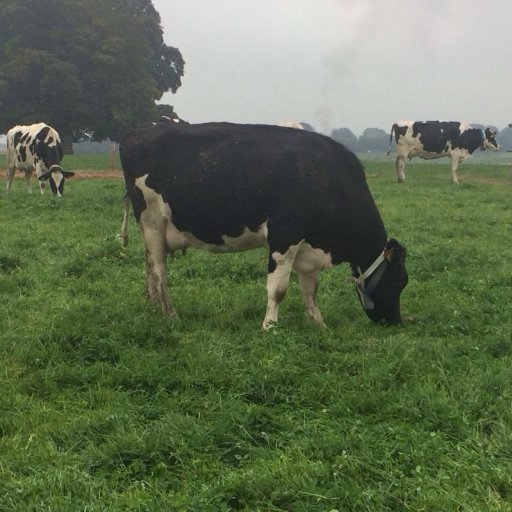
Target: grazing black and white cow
[436,139]
[36,148]
[225,187]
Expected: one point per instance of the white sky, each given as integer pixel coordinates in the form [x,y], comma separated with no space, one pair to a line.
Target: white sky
[342,63]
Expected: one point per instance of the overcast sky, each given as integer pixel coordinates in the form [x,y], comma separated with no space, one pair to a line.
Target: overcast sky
[342,63]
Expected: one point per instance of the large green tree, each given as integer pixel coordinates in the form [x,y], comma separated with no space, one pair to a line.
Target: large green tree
[346,137]
[83,66]
[374,139]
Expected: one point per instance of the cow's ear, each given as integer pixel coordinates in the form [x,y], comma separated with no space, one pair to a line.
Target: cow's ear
[67,174]
[394,252]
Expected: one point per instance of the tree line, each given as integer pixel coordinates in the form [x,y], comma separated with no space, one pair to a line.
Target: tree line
[94,69]
[376,140]
[90,68]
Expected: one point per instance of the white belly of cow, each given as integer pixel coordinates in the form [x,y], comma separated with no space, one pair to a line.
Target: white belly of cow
[427,155]
[158,215]
[246,241]
[458,154]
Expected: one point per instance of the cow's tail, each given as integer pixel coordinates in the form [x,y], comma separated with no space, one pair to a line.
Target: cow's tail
[393,128]
[124,226]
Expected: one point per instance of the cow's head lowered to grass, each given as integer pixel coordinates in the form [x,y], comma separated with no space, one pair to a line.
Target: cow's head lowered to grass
[38,148]
[56,175]
[379,288]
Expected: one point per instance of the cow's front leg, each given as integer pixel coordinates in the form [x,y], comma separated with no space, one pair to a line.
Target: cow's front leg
[42,186]
[40,171]
[309,286]
[308,263]
[279,268]
[28,181]
[151,280]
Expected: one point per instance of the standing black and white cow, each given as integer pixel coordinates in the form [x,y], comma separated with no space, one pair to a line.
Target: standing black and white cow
[36,148]
[225,187]
[436,139]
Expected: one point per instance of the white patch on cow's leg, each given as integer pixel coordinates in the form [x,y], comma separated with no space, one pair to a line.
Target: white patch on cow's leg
[153,231]
[309,286]
[400,165]
[151,281]
[277,284]
[308,262]
[153,225]
[455,164]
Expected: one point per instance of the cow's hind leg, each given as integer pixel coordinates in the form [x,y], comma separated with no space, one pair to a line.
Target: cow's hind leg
[454,166]
[400,166]
[279,268]
[9,177]
[124,226]
[153,231]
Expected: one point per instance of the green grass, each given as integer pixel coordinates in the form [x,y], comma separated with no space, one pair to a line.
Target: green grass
[80,162]
[90,162]
[107,406]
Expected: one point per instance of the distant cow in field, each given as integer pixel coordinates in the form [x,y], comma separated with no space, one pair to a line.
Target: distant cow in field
[436,139]
[225,187]
[36,148]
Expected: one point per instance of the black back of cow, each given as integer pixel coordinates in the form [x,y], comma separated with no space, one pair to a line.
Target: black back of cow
[438,136]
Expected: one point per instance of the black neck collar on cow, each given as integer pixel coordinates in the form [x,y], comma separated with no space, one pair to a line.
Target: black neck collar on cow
[373,274]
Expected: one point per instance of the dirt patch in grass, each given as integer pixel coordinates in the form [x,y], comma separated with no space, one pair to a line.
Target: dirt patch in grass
[85,174]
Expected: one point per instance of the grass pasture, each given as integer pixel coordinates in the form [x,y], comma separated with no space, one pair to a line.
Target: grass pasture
[99,162]
[107,406]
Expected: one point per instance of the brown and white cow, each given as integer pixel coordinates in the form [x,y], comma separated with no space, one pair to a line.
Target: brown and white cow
[36,147]
[436,139]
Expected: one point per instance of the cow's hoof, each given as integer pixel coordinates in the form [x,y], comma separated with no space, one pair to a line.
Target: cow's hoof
[170,313]
[316,320]
[268,325]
